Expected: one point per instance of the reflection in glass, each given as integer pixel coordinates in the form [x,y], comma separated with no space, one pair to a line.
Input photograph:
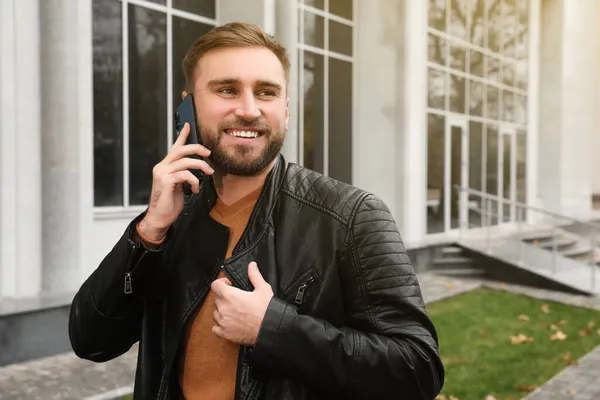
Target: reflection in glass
[185,33]
[476,63]
[341,8]
[458,57]
[340,120]
[508,106]
[458,19]
[438,49]
[520,109]
[436,91]
[340,38]
[506,165]
[508,73]
[491,175]
[457,93]
[477,91]
[476,170]
[478,31]
[437,14]
[314,31]
[147,98]
[108,103]
[205,8]
[494,25]
[521,166]
[435,173]
[492,102]
[456,143]
[492,69]
[313,111]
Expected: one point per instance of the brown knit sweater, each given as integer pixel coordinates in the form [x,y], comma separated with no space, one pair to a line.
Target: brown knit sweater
[209,365]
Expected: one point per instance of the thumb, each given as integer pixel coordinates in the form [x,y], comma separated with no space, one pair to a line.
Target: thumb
[255,276]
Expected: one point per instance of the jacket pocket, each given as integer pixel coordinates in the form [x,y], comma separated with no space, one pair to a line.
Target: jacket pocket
[298,292]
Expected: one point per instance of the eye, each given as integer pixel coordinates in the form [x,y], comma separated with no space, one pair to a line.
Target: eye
[227,91]
[266,93]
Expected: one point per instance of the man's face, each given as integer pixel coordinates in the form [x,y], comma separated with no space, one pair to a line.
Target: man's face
[242,108]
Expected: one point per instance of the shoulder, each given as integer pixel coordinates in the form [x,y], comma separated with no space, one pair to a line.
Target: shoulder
[319,191]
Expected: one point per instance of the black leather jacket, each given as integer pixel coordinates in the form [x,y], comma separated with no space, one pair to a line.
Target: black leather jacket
[347,320]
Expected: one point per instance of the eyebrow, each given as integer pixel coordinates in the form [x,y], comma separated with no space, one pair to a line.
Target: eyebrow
[233,81]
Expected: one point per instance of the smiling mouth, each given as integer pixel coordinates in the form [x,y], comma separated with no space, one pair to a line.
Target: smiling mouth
[245,134]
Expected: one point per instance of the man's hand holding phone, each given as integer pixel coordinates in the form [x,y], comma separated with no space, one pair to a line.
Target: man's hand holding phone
[168,177]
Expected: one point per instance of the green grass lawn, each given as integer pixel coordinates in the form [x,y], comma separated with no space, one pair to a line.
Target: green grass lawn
[475,332]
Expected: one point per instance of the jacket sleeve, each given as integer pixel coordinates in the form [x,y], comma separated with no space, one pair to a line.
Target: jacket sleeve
[389,348]
[106,313]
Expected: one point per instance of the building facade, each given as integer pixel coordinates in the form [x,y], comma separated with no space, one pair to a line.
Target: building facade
[404,98]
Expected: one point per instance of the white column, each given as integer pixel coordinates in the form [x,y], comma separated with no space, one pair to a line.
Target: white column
[286,32]
[412,148]
[67,115]
[20,153]
[569,117]
[533,103]
[376,158]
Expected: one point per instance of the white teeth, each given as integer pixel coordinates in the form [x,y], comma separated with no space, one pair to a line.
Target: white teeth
[247,134]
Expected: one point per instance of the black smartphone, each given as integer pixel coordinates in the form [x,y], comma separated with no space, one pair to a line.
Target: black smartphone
[186,112]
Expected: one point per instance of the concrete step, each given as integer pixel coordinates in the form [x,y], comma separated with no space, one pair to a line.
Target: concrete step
[448,263]
[461,272]
[539,236]
[561,243]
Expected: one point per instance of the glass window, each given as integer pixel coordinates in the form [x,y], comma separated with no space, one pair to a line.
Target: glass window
[326,79]
[150,94]
[108,103]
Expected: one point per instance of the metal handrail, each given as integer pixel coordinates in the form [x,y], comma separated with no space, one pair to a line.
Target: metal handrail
[527,207]
[488,213]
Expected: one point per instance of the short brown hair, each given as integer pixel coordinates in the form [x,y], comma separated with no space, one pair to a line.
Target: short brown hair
[234,34]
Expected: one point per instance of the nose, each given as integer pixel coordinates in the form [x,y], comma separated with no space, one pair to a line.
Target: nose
[247,107]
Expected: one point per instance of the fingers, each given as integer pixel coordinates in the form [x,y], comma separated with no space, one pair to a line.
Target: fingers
[187,150]
[186,176]
[219,285]
[190,163]
[183,135]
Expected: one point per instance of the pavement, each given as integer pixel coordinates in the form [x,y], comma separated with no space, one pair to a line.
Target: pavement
[65,376]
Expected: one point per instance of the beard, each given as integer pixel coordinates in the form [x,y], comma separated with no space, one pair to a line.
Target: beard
[238,160]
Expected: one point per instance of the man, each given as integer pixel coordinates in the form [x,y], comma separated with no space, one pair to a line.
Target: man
[272,281]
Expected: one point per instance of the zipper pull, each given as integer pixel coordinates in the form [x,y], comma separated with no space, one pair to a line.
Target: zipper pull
[128,288]
[301,290]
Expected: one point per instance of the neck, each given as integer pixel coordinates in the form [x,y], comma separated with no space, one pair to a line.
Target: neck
[231,188]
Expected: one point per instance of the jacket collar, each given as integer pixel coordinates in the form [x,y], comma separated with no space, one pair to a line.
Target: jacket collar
[264,205]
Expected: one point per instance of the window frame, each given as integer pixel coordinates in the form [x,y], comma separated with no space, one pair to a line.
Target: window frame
[127,209]
[301,49]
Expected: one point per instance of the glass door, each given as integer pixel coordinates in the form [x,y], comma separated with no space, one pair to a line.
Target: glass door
[456,173]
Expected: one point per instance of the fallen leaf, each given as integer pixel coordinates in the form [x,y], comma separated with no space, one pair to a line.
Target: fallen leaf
[490,397]
[590,324]
[598,332]
[553,327]
[571,392]
[525,388]
[520,338]
[453,398]
[567,357]
[482,332]
[573,362]
[585,332]
[441,397]
[558,335]
[543,324]
[449,286]
[561,322]
[523,317]
[545,308]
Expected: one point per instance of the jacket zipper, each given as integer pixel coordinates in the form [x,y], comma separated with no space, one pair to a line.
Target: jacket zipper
[299,299]
[128,289]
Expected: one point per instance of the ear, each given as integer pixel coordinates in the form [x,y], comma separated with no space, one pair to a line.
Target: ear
[183,94]
[287,114]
